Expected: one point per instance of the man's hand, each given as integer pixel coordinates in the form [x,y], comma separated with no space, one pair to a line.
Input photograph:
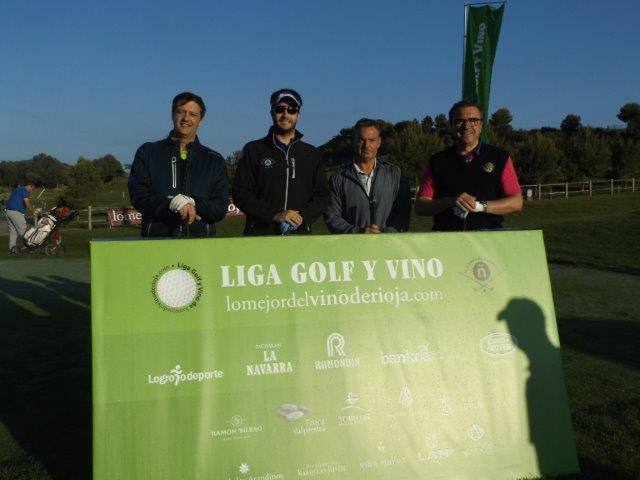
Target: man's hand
[188,214]
[290,216]
[373,228]
[465,202]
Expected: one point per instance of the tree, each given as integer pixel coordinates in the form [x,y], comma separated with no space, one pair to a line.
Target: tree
[587,155]
[231,162]
[538,159]
[570,124]
[411,148]
[625,158]
[109,167]
[630,114]
[427,124]
[500,123]
[8,174]
[441,124]
[85,183]
[49,171]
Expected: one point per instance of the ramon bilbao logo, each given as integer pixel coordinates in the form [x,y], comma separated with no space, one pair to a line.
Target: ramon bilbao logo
[176,288]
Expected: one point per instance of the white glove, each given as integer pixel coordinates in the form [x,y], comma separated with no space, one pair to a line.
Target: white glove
[180,201]
[461,214]
[479,208]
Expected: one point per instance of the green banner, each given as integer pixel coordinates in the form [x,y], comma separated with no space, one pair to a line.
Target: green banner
[334,357]
[481,41]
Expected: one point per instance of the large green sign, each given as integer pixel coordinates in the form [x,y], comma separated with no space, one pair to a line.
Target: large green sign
[481,42]
[335,357]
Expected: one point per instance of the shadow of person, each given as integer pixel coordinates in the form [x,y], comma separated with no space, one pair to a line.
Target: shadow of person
[45,374]
[547,404]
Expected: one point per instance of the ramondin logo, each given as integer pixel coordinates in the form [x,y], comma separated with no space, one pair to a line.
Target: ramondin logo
[483,273]
[335,345]
[176,288]
[176,376]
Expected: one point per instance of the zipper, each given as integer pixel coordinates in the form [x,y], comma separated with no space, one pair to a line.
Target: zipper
[286,187]
[174,173]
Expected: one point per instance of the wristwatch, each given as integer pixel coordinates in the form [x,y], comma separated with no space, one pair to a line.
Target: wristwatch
[484,206]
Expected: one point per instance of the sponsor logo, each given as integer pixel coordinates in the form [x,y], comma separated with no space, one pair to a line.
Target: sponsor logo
[352,413]
[336,353]
[236,429]
[435,451]
[311,470]
[488,167]
[176,376]
[419,354]
[244,469]
[446,405]
[482,273]
[382,463]
[406,399]
[292,412]
[498,344]
[267,163]
[475,432]
[176,288]
[269,364]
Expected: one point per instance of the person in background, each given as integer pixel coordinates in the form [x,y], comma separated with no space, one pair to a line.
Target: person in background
[280,183]
[368,195]
[471,185]
[16,206]
[178,185]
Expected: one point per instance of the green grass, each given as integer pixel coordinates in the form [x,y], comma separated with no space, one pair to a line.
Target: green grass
[594,247]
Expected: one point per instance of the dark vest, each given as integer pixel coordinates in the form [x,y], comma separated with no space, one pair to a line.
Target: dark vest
[480,178]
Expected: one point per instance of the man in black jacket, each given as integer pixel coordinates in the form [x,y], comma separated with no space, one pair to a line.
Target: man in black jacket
[471,185]
[179,185]
[280,182]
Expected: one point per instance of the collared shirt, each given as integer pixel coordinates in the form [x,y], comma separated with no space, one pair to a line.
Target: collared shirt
[472,155]
[366,179]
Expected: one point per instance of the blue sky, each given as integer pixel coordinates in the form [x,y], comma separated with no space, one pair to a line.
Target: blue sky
[90,78]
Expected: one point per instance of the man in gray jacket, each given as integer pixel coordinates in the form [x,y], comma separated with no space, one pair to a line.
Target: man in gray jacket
[368,195]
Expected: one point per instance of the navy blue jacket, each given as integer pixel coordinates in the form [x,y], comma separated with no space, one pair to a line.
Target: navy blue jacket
[158,172]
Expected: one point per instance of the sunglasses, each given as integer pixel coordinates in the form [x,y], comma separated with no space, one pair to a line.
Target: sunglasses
[289,110]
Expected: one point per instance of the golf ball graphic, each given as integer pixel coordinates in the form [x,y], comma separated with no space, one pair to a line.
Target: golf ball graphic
[176,288]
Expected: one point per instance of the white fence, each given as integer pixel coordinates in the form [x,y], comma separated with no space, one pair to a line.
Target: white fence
[586,188]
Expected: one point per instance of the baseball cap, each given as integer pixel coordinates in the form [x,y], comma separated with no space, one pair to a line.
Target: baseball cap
[285,94]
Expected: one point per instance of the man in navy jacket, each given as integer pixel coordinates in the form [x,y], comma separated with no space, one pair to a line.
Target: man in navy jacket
[179,185]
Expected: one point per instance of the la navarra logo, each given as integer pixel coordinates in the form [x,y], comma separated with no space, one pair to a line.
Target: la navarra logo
[176,288]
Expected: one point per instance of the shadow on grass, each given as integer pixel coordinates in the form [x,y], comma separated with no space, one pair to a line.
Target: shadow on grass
[612,340]
[45,400]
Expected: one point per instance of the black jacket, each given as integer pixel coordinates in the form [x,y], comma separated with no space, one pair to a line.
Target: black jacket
[480,178]
[158,172]
[269,181]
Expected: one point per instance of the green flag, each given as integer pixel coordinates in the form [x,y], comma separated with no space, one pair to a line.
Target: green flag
[482,33]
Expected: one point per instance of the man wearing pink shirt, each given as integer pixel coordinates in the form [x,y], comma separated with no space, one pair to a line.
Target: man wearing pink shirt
[471,185]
